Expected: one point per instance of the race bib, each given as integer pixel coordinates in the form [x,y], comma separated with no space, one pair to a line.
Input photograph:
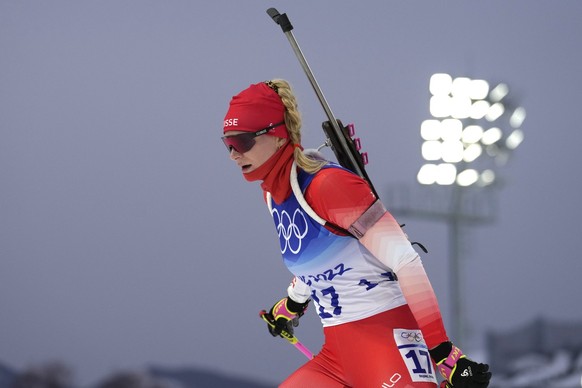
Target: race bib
[415,354]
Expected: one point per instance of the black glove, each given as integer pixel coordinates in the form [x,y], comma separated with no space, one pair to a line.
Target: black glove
[458,370]
[285,315]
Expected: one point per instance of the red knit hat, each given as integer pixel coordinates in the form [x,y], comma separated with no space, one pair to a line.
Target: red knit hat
[255,108]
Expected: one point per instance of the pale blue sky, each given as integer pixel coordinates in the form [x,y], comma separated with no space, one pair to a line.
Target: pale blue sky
[127,236]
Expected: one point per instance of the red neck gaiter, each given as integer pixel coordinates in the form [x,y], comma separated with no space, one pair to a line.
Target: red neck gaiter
[275,173]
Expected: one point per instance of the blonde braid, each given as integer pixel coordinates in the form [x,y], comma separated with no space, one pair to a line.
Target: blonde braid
[293,123]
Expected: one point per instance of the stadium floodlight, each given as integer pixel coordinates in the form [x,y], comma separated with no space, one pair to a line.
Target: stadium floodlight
[498,92]
[467,132]
[473,129]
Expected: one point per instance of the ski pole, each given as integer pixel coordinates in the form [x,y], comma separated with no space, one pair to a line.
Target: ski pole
[343,146]
[288,336]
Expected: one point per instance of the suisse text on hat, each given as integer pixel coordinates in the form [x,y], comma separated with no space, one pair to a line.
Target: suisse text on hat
[231,122]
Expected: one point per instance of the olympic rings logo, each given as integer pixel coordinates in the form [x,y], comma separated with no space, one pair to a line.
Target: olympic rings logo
[291,230]
[412,336]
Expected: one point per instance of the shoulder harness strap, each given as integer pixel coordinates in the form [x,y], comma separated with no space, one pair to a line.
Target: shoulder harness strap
[300,198]
[358,229]
[303,203]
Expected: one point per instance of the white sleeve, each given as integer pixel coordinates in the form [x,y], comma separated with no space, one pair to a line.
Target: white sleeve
[386,240]
[298,291]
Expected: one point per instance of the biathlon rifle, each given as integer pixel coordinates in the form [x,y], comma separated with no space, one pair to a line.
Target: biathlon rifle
[339,138]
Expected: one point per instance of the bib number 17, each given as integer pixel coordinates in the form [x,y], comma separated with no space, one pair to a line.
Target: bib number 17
[415,354]
[331,295]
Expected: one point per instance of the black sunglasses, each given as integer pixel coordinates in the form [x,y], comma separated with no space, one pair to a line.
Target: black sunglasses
[243,142]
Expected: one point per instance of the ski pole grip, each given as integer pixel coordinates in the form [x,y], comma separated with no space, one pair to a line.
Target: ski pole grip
[281,20]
